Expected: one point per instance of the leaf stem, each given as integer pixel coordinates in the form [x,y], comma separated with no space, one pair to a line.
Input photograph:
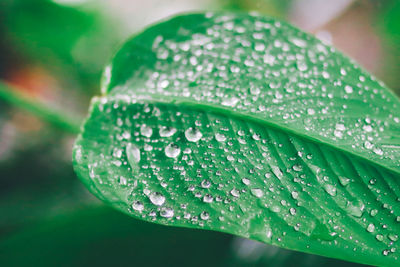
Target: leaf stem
[48,114]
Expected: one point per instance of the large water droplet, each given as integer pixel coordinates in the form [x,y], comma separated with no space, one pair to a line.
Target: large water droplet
[193,134]
[172,150]
[157,198]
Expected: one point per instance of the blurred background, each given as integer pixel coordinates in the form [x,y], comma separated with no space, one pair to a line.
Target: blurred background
[54,51]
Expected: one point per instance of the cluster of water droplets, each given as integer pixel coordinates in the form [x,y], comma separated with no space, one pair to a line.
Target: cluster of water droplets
[204,169]
[193,165]
[265,68]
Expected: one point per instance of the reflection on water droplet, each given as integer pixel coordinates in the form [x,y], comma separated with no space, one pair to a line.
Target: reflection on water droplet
[157,198]
[193,134]
[172,150]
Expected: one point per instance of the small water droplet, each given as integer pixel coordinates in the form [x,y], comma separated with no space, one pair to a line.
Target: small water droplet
[235,192]
[230,102]
[246,181]
[166,131]
[138,206]
[394,237]
[220,137]
[166,212]
[146,130]
[374,212]
[133,155]
[371,227]
[208,198]
[205,184]
[292,211]
[379,237]
[257,192]
[204,215]
[330,189]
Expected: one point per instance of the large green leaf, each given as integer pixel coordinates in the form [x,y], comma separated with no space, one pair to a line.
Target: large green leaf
[246,125]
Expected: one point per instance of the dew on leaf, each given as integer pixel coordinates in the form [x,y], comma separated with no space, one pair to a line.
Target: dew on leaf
[166,131]
[193,134]
[157,198]
[172,150]
[138,206]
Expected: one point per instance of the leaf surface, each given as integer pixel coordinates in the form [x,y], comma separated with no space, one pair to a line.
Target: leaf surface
[246,125]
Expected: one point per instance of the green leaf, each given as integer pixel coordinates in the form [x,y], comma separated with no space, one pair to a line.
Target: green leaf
[246,125]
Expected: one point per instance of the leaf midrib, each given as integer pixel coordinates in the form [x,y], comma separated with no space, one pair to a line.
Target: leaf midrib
[225,111]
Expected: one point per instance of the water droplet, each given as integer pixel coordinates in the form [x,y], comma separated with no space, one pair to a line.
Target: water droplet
[394,237]
[235,192]
[193,134]
[257,192]
[371,227]
[133,155]
[166,131]
[379,237]
[292,211]
[157,198]
[355,209]
[256,137]
[166,212]
[146,130]
[295,195]
[208,198]
[205,184]
[330,189]
[220,137]
[138,206]
[204,215]
[367,128]
[348,89]
[374,212]
[246,181]
[344,180]
[230,102]
[172,150]
[297,168]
